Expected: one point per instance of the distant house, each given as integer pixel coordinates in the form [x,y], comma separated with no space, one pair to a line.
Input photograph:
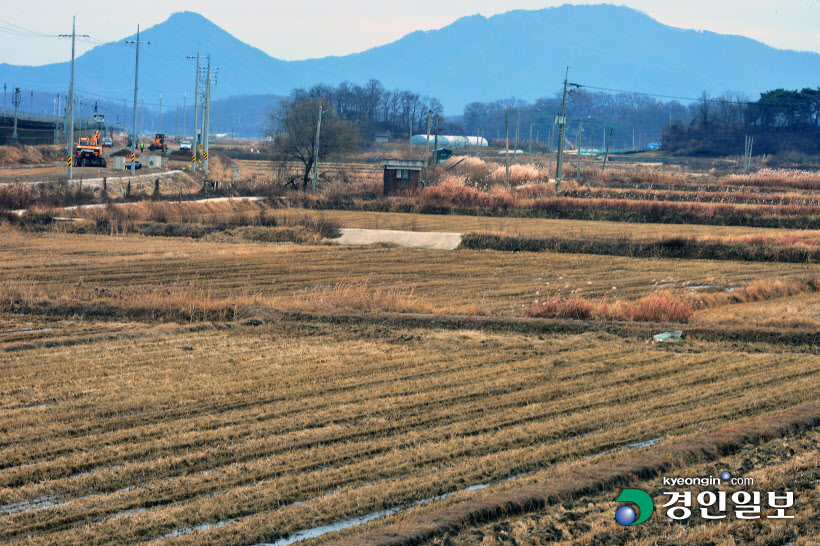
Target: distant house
[381,139]
[401,175]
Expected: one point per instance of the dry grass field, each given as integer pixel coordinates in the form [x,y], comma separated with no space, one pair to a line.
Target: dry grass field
[217,373]
[240,434]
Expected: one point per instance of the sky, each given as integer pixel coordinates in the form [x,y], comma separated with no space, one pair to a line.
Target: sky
[317,28]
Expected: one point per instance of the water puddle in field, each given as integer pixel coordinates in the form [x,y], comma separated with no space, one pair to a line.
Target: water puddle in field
[701,287]
[637,445]
[28,331]
[43,503]
[23,506]
[360,520]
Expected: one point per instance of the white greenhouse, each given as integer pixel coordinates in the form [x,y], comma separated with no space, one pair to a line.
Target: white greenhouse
[449,141]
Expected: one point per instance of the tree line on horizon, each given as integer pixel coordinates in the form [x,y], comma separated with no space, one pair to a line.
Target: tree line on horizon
[780,121]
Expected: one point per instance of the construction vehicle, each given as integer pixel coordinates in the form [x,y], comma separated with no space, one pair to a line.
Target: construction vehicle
[159,143]
[89,152]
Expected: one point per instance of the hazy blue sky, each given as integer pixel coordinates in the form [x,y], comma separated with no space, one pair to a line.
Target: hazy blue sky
[316,28]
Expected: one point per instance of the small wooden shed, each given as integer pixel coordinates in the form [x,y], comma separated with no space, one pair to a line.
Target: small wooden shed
[401,175]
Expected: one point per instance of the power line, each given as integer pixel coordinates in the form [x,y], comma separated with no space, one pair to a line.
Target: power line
[22,31]
[700,99]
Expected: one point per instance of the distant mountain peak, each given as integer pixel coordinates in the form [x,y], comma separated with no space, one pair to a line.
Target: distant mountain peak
[476,58]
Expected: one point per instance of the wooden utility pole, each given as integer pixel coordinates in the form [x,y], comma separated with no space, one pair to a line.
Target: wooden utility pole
[316,151]
[507,147]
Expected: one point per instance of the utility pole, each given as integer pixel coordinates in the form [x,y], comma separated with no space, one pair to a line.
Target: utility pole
[184,112]
[107,125]
[606,154]
[747,154]
[206,117]
[31,103]
[176,123]
[316,151]
[160,114]
[435,145]
[480,138]
[427,146]
[580,130]
[136,87]
[530,143]
[507,147]
[142,116]
[517,124]
[69,138]
[56,123]
[4,94]
[196,96]
[562,121]
[123,112]
[15,100]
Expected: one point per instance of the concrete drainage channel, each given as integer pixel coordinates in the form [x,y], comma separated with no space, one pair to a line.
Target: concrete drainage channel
[408,239]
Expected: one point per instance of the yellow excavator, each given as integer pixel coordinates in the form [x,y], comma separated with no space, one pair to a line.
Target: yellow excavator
[89,152]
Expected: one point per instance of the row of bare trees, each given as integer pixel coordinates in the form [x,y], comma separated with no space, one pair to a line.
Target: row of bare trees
[372,108]
[635,118]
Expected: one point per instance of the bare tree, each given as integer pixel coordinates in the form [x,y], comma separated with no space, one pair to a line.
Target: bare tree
[294,125]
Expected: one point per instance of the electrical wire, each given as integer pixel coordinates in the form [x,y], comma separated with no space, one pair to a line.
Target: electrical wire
[17,30]
[701,99]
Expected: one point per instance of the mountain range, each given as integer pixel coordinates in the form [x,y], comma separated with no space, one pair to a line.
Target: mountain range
[519,53]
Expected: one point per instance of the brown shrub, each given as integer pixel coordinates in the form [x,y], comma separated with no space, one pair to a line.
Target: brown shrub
[453,194]
[661,307]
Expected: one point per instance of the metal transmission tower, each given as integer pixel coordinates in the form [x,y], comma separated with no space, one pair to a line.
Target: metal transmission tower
[15,100]
[136,86]
[562,123]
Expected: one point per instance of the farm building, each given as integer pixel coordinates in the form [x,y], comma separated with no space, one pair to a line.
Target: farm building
[381,139]
[401,175]
[450,141]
